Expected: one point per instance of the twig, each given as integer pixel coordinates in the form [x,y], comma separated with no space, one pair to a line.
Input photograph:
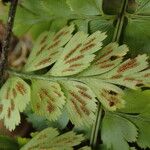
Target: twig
[7,38]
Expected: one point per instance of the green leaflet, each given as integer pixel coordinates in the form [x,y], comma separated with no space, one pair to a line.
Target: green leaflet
[77,54]
[81,103]
[47,99]
[7,143]
[30,16]
[14,96]
[138,24]
[143,8]
[49,139]
[136,101]
[142,123]
[144,132]
[136,27]
[40,122]
[47,48]
[86,7]
[117,131]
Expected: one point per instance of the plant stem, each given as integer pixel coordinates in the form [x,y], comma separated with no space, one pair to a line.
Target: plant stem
[7,38]
[94,134]
[39,77]
[120,22]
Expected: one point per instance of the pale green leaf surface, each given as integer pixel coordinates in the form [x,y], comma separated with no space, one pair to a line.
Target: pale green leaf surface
[81,103]
[78,53]
[47,48]
[47,99]
[49,139]
[106,59]
[14,96]
[108,94]
[129,73]
[117,131]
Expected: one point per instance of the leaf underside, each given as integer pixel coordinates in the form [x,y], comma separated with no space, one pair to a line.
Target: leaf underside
[81,72]
[50,139]
[14,96]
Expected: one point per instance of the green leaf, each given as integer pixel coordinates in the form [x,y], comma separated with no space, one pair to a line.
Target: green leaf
[77,54]
[61,122]
[86,7]
[7,143]
[47,99]
[143,124]
[117,131]
[82,25]
[144,132]
[58,8]
[38,122]
[81,103]
[47,48]
[104,24]
[30,14]
[14,97]
[58,24]
[22,141]
[136,101]
[143,7]
[136,27]
[50,139]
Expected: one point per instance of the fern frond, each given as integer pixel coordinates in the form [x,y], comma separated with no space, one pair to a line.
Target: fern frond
[49,139]
[81,73]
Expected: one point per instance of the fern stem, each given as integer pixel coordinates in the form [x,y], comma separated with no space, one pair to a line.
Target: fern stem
[39,77]
[7,38]
[120,22]
[94,134]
